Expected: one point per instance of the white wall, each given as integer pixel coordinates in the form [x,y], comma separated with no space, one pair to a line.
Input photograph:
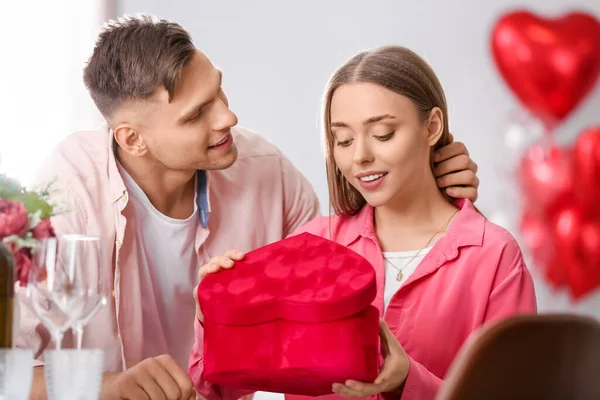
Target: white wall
[42,98]
[277,56]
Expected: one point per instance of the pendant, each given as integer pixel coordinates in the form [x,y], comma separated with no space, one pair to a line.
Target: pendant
[399,276]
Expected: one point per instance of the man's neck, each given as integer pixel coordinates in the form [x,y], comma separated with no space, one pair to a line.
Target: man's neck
[410,220]
[171,192]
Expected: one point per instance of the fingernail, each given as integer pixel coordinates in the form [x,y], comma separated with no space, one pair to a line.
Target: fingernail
[436,156]
[229,262]
[238,254]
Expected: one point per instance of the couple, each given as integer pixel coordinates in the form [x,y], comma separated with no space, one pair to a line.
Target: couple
[169,183]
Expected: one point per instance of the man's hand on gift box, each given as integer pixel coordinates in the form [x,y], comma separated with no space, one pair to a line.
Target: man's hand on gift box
[393,373]
[153,378]
[214,265]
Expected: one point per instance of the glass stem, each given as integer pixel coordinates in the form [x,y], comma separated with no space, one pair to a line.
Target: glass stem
[58,338]
[79,333]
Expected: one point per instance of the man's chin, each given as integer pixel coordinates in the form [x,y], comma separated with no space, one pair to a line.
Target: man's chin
[224,161]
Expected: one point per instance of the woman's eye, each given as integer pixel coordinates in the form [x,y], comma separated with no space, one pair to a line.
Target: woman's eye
[344,143]
[385,137]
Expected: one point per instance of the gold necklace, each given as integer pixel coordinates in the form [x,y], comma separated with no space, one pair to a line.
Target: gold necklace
[399,276]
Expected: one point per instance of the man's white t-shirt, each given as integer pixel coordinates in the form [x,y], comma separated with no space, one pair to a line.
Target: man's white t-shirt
[169,273]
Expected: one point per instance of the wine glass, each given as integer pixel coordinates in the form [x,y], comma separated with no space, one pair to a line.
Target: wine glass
[57,287]
[86,255]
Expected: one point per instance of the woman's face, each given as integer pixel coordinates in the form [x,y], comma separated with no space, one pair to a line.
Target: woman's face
[380,144]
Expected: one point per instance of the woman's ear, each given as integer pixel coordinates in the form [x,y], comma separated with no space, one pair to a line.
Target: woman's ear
[435,126]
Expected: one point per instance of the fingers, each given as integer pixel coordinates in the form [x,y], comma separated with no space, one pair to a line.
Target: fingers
[354,389]
[136,392]
[157,378]
[145,376]
[216,263]
[389,342]
[463,193]
[384,331]
[385,378]
[129,386]
[180,385]
[462,178]
[460,162]
[450,138]
[450,150]
[234,255]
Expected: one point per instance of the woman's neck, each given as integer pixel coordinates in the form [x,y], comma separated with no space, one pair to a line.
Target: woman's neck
[411,219]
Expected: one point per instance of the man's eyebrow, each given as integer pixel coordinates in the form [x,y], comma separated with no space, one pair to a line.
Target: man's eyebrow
[192,109]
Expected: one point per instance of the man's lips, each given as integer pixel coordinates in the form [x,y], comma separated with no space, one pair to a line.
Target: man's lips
[220,142]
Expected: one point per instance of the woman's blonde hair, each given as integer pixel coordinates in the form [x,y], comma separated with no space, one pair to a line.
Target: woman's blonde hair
[397,69]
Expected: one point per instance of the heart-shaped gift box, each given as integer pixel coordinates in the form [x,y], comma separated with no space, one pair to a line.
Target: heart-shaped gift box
[293,317]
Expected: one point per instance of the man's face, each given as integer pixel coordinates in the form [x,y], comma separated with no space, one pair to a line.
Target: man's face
[192,131]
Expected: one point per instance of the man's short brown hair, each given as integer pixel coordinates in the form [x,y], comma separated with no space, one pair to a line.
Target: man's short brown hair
[133,57]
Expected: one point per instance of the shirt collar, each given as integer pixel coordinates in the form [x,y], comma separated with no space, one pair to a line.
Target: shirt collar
[467,229]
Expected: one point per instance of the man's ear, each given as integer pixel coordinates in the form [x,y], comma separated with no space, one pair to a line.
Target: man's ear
[435,126]
[129,139]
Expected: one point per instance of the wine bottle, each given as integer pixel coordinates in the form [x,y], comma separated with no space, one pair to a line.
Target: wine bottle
[7,296]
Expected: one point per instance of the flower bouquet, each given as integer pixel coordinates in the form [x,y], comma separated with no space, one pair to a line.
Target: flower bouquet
[24,221]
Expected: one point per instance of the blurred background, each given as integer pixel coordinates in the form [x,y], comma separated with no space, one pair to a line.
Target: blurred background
[276,57]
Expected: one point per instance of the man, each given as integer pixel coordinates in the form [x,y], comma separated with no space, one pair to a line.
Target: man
[167,183]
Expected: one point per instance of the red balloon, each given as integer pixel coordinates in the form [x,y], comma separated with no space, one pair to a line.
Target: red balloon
[586,160]
[545,175]
[537,238]
[549,64]
[577,247]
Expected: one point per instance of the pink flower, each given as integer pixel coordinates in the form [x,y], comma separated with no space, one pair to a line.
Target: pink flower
[43,230]
[23,263]
[13,219]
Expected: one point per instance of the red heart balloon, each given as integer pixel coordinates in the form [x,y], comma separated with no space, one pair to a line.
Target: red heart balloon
[545,175]
[586,160]
[537,238]
[577,246]
[550,64]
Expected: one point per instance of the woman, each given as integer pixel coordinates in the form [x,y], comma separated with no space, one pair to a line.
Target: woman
[443,270]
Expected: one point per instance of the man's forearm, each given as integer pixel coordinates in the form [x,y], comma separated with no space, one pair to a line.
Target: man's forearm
[38,387]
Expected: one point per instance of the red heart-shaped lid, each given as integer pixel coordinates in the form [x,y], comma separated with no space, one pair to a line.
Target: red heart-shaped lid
[304,278]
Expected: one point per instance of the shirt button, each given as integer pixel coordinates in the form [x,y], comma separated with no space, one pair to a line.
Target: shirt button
[113,294]
[124,197]
[119,242]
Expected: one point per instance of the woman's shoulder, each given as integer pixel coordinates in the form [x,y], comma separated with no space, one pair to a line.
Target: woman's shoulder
[495,235]
[500,244]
